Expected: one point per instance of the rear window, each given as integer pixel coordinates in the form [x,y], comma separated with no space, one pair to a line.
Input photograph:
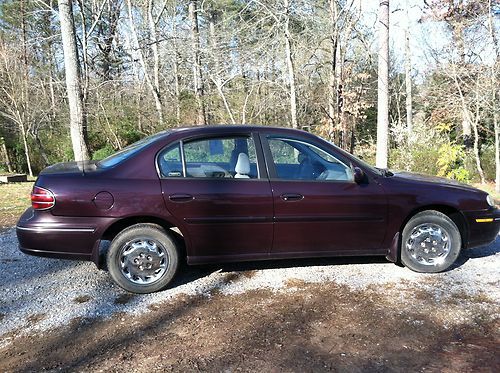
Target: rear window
[129,151]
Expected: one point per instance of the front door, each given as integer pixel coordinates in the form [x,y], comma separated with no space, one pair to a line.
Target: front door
[318,208]
[221,202]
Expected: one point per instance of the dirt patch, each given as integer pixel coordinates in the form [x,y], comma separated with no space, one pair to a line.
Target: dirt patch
[124,298]
[313,328]
[82,299]
[36,318]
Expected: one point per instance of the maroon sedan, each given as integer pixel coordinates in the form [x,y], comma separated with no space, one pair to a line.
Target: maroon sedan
[234,193]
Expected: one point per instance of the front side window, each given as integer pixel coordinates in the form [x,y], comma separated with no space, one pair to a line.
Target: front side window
[228,157]
[299,160]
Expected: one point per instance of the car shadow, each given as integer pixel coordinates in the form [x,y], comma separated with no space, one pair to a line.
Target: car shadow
[188,273]
[476,253]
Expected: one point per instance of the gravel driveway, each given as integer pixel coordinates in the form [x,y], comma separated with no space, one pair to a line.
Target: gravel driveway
[38,294]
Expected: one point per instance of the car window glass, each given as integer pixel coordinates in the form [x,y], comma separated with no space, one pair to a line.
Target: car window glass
[299,160]
[233,157]
[128,151]
[170,162]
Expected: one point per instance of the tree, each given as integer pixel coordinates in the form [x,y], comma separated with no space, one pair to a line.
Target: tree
[152,82]
[73,82]
[495,96]
[383,85]
[197,75]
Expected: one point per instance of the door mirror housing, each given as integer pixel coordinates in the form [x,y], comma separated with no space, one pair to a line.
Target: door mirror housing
[359,175]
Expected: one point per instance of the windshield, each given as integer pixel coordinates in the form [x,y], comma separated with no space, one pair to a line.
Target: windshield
[129,151]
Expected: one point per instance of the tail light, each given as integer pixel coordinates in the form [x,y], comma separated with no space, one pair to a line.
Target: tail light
[42,199]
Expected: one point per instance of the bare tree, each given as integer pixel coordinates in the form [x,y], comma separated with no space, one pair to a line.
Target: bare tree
[197,75]
[152,82]
[73,83]
[495,94]
[409,96]
[383,85]
[290,66]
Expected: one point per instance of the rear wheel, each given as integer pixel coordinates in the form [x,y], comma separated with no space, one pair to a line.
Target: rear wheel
[431,242]
[143,258]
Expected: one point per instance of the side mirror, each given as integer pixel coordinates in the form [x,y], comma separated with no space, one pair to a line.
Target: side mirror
[359,175]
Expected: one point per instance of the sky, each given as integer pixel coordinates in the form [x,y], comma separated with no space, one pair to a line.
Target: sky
[422,35]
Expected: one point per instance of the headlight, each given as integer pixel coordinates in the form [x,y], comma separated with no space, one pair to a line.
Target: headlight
[490,200]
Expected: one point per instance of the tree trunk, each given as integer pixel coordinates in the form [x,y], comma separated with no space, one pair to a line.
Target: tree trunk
[175,63]
[7,157]
[26,147]
[154,48]
[197,76]
[332,81]
[25,90]
[383,85]
[497,153]
[479,168]
[290,65]
[216,77]
[149,81]
[495,96]
[73,84]
[409,96]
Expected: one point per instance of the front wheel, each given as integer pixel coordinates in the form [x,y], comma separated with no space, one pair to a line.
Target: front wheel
[431,242]
[143,258]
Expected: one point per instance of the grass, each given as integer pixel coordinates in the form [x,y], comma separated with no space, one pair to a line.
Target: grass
[15,199]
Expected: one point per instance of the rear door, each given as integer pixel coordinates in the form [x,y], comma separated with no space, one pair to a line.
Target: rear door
[223,217]
[319,209]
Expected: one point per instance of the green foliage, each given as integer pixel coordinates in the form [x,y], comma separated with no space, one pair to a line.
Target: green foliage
[451,162]
[418,158]
[488,161]
[103,152]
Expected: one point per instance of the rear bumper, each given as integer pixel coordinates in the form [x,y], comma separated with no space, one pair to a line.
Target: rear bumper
[42,234]
[484,226]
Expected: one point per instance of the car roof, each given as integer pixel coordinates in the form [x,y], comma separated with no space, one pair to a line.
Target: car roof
[224,128]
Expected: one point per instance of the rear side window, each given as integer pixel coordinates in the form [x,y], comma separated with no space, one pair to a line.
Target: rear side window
[170,162]
[227,157]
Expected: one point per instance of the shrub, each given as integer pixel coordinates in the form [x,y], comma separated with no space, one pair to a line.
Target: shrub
[104,152]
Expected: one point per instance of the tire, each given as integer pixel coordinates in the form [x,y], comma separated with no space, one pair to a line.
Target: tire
[431,242]
[143,258]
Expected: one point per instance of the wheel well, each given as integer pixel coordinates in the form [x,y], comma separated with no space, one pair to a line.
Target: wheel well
[451,212]
[120,225]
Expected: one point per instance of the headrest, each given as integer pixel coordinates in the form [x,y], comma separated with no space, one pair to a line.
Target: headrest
[242,165]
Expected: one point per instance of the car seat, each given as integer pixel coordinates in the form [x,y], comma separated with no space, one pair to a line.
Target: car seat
[242,167]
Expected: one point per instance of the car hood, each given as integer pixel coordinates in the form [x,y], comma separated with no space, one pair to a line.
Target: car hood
[70,167]
[410,176]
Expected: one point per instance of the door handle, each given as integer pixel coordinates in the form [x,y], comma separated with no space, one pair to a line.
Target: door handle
[180,197]
[291,197]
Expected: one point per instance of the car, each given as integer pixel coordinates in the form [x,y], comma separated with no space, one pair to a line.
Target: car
[228,193]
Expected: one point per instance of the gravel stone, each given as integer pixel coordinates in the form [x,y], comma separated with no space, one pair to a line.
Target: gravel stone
[38,294]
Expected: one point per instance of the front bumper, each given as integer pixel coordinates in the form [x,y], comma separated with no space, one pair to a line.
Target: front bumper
[42,234]
[484,226]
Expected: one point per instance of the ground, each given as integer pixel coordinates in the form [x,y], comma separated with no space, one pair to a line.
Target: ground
[359,315]
[355,315]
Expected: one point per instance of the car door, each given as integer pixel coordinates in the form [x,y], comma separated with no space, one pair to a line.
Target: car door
[218,192]
[318,208]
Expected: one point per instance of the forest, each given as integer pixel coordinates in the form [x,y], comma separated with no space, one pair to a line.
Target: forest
[81,79]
